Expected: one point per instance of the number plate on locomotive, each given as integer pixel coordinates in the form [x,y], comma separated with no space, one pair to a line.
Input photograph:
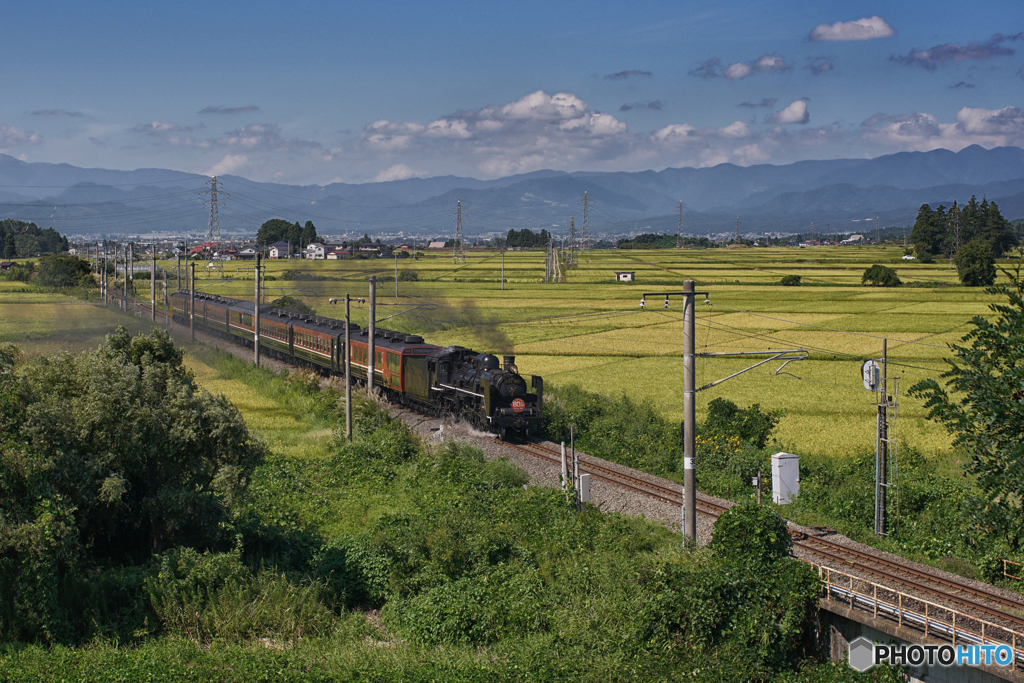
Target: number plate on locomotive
[518,405]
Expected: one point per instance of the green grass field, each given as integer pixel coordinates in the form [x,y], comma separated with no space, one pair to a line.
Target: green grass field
[590,330]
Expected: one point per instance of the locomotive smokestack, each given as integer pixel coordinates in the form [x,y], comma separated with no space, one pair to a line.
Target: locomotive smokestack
[508,362]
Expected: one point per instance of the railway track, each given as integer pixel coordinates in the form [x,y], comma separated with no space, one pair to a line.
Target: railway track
[890,572]
[928,585]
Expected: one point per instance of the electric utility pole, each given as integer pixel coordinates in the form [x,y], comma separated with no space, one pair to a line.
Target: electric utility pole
[586,220]
[213,228]
[882,449]
[689,415]
[572,241]
[679,236]
[348,370]
[192,302]
[458,253]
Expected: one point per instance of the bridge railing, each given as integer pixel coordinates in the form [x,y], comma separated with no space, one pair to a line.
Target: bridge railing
[930,619]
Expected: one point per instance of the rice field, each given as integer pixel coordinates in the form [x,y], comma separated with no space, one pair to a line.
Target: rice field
[591,331]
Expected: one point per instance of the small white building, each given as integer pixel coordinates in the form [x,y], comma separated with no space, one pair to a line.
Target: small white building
[278,250]
[854,239]
[625,276]
[435,245]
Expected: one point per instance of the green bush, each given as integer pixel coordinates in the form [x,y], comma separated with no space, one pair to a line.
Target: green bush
[790,281]
[975,265]
[214,597]
[751,533]
[881,276]
[408,275]
[751,424]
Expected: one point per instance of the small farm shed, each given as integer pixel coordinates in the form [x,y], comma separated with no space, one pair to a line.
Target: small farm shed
[626,276]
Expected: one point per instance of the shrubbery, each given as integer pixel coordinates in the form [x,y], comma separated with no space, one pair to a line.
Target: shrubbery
[880,276]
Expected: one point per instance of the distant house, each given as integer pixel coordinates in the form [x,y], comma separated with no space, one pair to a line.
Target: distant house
[278,250]
[626,276]
[854,239]
[6,265]
[314,251]
[435,245]
[247,253]
[338,254]
[228,255]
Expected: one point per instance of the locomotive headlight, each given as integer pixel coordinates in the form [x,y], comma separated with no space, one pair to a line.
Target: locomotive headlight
[513,369]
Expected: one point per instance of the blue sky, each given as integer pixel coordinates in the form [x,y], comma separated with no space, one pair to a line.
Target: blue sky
[315,92]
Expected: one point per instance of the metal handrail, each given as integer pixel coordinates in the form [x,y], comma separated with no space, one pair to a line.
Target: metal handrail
[927,621]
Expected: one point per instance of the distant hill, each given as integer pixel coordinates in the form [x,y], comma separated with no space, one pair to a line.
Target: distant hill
[837,193]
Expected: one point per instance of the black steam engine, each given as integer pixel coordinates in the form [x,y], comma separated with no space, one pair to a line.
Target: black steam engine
[440,380]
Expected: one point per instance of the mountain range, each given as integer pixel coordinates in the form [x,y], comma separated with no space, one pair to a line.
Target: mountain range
[840,196]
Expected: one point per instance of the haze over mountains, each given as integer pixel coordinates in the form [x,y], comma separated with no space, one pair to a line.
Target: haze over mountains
[839,194]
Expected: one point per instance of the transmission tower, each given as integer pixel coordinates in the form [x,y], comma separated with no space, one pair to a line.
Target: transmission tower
[954,224]
[586,220]
[213,231]
[679,237]
[572,241]
[458,253]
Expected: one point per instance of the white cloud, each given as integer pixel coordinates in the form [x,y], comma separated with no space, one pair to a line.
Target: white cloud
[735,130]
[538,106]
[12,137]
[770,63]
[764,64]
[157,127]
[396,172]
[675,134]
[924,132]
[794,113]
[735,72]
[231,163]
[868,28]
[445,128]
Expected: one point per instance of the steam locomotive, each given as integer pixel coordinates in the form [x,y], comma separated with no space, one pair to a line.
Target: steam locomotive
[450,380]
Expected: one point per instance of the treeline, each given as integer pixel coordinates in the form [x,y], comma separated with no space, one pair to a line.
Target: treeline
[653,241]
[527,239]
[935,231]
[21,239]
[278,230]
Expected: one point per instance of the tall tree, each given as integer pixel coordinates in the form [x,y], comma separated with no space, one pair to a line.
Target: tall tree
[982,407]
[930,230]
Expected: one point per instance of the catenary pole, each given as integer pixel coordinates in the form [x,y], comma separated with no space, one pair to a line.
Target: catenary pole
[152,284]
[348,370]
[371,375]
[192,301]
[256,311]
[689,416]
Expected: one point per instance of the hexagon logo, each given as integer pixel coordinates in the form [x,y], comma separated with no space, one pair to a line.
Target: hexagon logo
[861,656]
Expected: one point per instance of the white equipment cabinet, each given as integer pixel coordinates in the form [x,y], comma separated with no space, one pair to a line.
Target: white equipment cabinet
[785,478]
